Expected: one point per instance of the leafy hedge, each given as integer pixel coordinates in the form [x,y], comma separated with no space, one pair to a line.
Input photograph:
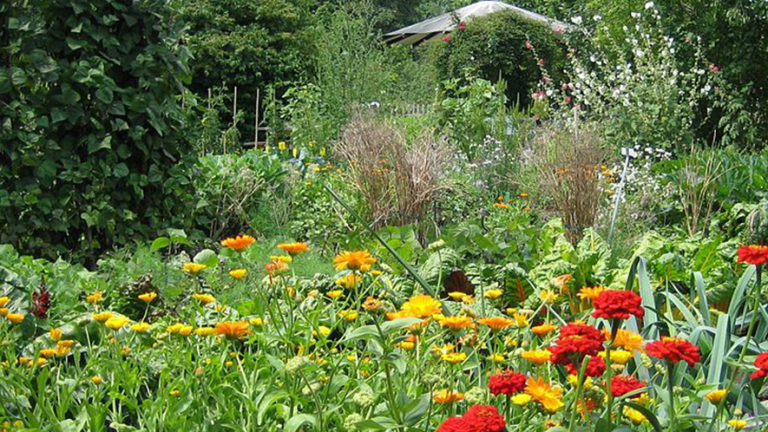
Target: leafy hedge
[494,47]
[90,122]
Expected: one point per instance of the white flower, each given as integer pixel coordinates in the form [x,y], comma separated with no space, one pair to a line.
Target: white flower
[597,17]
[634,15]
[576,20]
[649,5]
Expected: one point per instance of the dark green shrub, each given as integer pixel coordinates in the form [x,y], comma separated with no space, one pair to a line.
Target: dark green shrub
[494,47]
[90,143]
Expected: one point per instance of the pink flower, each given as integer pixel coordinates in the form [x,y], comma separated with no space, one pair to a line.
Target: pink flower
[462,26]
[528,45]
[541,61]
[447,38]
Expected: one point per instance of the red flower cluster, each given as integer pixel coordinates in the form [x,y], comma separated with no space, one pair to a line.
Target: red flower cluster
[478,418]
[41,302]
[753,254]
[507,383]
[618,304]
[623,384]
[575,342]
[761,363]
[595,368]
[674,350]
[462,26]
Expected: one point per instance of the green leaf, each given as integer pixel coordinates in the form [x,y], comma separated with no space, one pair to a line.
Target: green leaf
[399,323]
[207,257]
[120,170]
[105,143]
[266,403]
[417,412]
[298,421]
[363,332]
[160,243]
[376,423]
[105,95]
[75,44]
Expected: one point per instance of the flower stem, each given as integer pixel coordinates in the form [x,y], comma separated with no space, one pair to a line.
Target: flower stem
[670,388]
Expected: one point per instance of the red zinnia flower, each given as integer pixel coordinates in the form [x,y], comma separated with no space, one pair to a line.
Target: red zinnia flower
[618,304]
[674,350]
[623,384]
[753,254]
[507,383]
[581,330]
[761,363]
[484,419]
[595,368]
[447,38]
[573,349]
[462,26]
[455,424]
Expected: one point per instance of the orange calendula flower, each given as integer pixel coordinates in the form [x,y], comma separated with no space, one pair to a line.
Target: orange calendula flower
[293,248]
[193,268]
[238,243]
[204,298]
[238,273]
[274,268]
[537,357]
[543,329]
[371,304]
[447,396]
[148,297]
[501,205]
[590,293]
[353,260]
[283,258]
[542,392]
[55,334]
[457,322]
[496,323]
[47,352]
[4,301]
[95,297]
[232,329]
[349,281]
[626,339]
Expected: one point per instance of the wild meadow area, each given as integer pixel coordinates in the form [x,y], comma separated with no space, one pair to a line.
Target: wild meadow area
[383,215]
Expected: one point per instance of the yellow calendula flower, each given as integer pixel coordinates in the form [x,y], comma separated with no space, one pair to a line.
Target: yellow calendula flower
[447,396]
[349,315]
[117,322]
[349,281]
[141,327]
[548,296]
[281,258]
[4,301]
[716,396]
[194,268]
[47,352]
[456,295]
[550,397]
[457,322]
[737,424]
[15,318]
[323,330]
[96,379]
[256,322]
[617,356]
[238,273]
[102,316]
[205,331]
[95,297]
[179,329]
[204,298]
[590,293]
[148,297]
[55,334]
[335,294]
[175,393]
[574,380]
[626,339]
[493,294]
[281,146]
[521,399]
[521,320]
[537,357]
[356,260]
[496,358]
[454,357]
[633,415]
[41,362]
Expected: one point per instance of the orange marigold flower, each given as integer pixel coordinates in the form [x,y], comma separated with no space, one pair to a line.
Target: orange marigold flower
[496,323]
[356,260]
[543,329]
[232,329]
[293,248]
[456,322]
[753,254]
[238,243]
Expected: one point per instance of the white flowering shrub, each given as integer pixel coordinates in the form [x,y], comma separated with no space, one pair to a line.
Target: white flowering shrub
[637,87]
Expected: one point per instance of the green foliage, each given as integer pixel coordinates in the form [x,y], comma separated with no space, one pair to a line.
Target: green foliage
[251,45]
[494,48]
[90,141]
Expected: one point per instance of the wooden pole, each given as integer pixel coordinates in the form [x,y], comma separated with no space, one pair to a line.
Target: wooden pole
[256,129]
[234,108]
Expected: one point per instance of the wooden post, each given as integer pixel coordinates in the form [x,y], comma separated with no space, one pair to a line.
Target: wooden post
[209,98]
[256,129]
[234,108]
